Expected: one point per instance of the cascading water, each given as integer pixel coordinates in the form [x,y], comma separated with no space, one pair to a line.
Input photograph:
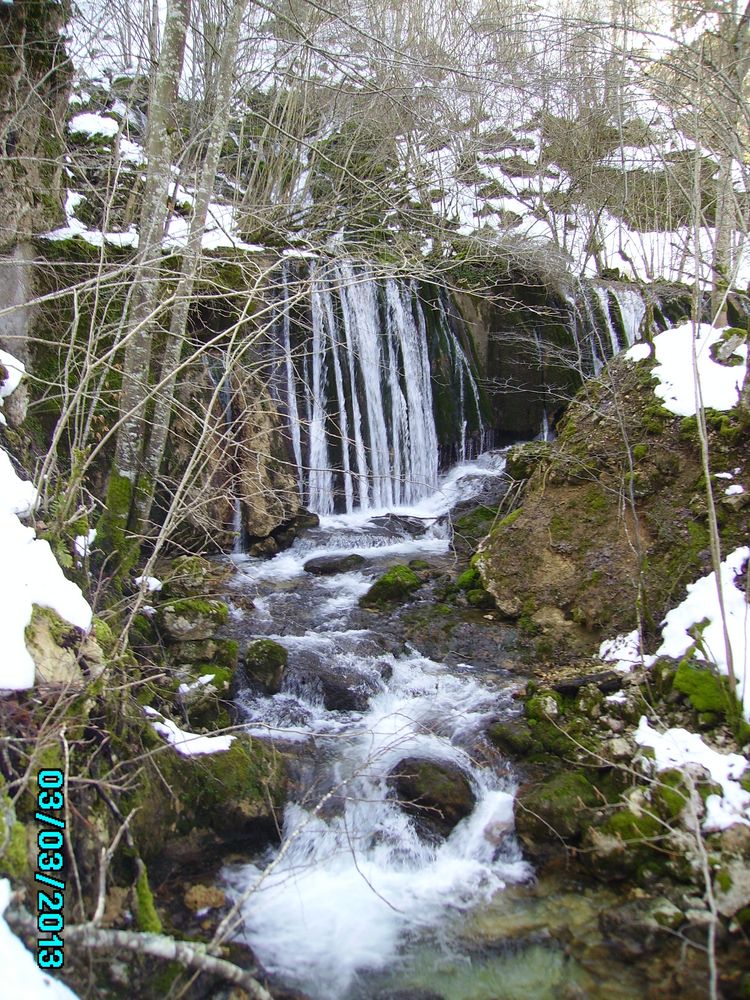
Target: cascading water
[360,405]
[632,310]
[356,884]
[220,377]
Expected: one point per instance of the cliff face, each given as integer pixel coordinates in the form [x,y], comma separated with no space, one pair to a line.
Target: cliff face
[35,79]
[613,518]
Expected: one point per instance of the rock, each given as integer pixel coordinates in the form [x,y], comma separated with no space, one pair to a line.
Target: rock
[204,897]
[264,548]
[559,808]
[191,618]
[328,565]
[399,525]
[513,737]
[732,887]
[436,793]
[641,926]
[543,705]
[264,663]
[340,691]
[187,576]
[224,652]
[704,688]
[736,839]
[393,587]
[53,645]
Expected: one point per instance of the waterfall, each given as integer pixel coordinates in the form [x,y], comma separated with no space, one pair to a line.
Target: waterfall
[220,377]
[632,310]
[369,439]
[603,296]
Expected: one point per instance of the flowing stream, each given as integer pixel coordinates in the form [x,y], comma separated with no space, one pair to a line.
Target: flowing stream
[355,888]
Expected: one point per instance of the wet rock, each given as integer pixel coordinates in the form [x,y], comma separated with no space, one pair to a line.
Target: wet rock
[191,618]
[339,691]
[400,525]
[328,565]
[607,681]
[641,926]
[513,737]
[264,548]
[392,587]
[436,793]
[264,664]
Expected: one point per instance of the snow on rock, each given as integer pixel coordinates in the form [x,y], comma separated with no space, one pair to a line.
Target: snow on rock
[14,370]
[88,123]
[680,748]
[188,744]
[624,652]
[151,583]
[83,543]
[720,384]
[21,977]
[29,575]
[702,605]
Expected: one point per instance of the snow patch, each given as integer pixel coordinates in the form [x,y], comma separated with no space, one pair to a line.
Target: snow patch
[88,123]
[185,743]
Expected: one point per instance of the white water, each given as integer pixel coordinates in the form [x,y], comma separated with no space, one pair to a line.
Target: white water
[354,881]
[369,431]
[348,889]
[603,297]
[632,310]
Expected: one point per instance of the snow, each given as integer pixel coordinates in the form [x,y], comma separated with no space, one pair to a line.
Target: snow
[720,384]
[680,748]
[22,979]
[734,490]
[188,744]
[151,583]
[83,543]
[29,575]
[202,681]
[623,652]
[702,605]
[88,123]
[14,369]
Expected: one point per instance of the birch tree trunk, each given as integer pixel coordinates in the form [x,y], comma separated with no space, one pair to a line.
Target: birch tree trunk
[190,259]
[144,300]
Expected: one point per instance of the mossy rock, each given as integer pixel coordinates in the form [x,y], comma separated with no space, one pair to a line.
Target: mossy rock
[393,587]
[705,689]
[264,663]
[523,459]
[218,652]
[235,796]
[14,858]
[670,793]
[513,737]
[543,705]
[470,579]
[187,576]
[627,844]
[191,618]
[436,793]
[480,599]
[557,808]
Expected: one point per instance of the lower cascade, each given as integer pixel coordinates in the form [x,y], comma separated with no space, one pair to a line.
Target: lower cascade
[359,881]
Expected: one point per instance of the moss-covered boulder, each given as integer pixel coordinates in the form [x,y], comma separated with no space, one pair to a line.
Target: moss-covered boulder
[233,797]
[436,793]
[191,618]
[513,737]
[221,652]
[393,587]
[264,664]
[704,688]
[188,576]
[555,811]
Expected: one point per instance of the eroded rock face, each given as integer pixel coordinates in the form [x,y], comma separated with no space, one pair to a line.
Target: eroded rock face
[614,514]
[436,793]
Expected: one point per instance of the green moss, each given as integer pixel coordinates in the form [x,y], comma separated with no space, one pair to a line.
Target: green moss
[705,689]
[392,587]
[470,579]
[111,531]
[14,861]
[543,705]
[670,794]
[558,806]
[632,828]
[148,918]
[723,880]
[480,598]
[513,737]
[510,519]
[639,452]
[265,661]
[103,634]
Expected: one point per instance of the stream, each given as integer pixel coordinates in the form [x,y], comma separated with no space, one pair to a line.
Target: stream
[355,888]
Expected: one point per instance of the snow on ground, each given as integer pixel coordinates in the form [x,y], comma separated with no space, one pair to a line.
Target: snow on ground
[88,123]
[29,575]
[702,606]
[680,748]
[188,744]
[22,980]
[720,384]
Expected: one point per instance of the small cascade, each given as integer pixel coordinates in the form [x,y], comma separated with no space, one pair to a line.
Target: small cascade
[602,295]
[632,310]
[359,399]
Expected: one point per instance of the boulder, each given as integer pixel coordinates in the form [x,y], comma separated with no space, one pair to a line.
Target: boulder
[339,690]
[392,587]
[555,810]
[264,664]
[436,793]
[191,618]
[328,565]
